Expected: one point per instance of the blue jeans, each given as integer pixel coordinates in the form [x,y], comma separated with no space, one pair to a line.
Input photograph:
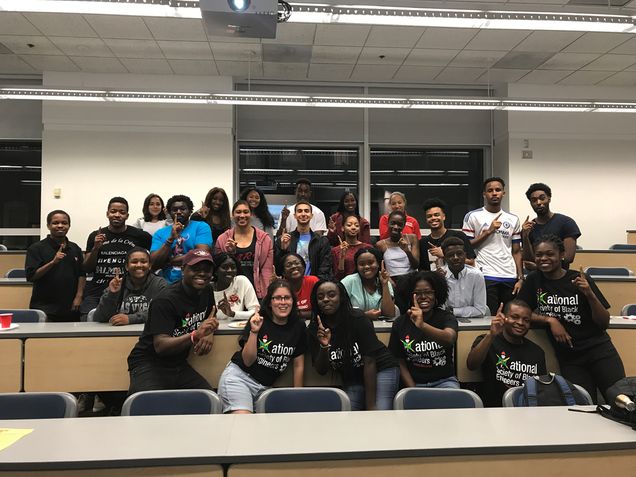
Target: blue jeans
[445,383]
[386,386]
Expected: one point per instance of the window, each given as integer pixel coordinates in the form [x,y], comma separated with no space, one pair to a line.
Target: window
[20,175]
[275,169]
[453,175]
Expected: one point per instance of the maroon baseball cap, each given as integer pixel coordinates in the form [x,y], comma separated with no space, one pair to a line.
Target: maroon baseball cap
[195,256]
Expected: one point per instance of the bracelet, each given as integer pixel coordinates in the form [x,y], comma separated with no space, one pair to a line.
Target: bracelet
[325,347]
[192,337]
[254,332]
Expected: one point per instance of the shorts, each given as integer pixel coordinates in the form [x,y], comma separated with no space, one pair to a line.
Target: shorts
[238,390]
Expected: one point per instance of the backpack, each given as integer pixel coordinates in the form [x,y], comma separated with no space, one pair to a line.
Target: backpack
[627,387]
[549,390]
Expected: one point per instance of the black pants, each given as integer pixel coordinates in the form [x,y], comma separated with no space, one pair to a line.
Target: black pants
[598,367]
[151,376]
[498,292]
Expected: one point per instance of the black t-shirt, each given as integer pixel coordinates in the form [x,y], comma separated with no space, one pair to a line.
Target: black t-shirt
[111,256]
[363,342]
[508,365]
[425,258]
[562,300]
[53,293]
[426,359]
[246,257]
[560,225]
[176,311]
[276,346]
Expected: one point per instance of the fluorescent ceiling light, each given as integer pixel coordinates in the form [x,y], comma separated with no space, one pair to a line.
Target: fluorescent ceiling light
[452,18]
[142,8]
[281,99]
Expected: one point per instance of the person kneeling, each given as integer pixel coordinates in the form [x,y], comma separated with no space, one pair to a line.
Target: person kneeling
[182,317]
[505,356]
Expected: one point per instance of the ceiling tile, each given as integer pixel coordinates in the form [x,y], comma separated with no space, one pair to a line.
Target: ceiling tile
[568,61]
[243,69]
[394,36]
[193,67]
[119,26]
[285,70]
[624,78]
[286,53]
[497,39]
[294,34]
[147,66]
[523,59]
[20,45]
[459,75]
[329,72]
[335,54]
[4,50]
[611,63]
[16,24]
[416,74]
[373,73]
[344,35]
[228,39]
[50,63]
[13,64]
[134,49]
[186,50]
[629,47]
[446,38]
[502,75]
[597,42]
[541,2]
[585,77]
[382,56]
[548,41]
[544,76]
[181,29]
[99,65]
[61,24]
[477,59]
[237,52]
[82,46]
[430,57]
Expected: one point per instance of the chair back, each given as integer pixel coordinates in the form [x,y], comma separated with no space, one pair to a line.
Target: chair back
[510,397]
[26,316]
[91,315]
[436,398]
[623,246]
[611,271]
[37,405]
[278,400]
[16,273]
[172,402]
[629,309]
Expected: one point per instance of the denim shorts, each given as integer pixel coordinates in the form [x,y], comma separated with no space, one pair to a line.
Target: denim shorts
[238,390]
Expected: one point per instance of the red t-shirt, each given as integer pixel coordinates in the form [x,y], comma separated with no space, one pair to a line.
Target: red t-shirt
[303,297]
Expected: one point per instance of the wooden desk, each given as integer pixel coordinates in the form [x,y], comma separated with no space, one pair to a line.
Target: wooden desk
[395,442]
[10,365]
[605,258]
[15,294]
[619,291]
[631,237]
[11,259]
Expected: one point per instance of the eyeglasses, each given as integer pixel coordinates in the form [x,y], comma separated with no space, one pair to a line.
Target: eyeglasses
[424,293]
[280,298]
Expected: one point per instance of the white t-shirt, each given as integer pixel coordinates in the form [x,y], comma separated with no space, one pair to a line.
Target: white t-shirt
[494,255]
[317,224]
[242,298]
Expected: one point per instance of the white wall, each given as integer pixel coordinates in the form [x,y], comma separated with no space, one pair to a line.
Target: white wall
[588,159]
[94,151]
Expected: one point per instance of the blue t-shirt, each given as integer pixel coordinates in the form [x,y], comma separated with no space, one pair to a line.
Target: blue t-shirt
[302,249]
[195,233]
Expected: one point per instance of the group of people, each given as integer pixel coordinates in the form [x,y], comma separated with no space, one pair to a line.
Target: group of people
[180,271]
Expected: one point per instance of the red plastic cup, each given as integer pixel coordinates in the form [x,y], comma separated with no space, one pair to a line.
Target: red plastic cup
[5,320]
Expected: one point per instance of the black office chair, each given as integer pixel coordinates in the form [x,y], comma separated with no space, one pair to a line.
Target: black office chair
[436,398]
[623,246]
[609,271]
[26,316]
[629,309]
[37,405]
[172,402]
[16,273]
[279,400]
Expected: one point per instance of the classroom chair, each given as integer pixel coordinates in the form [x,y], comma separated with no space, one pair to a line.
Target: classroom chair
[16,273]
[26,316]
[172,402]
[610,271]
[629,309]
[314,399]
[37,405]
[623,246]
[510,396]
[434,398]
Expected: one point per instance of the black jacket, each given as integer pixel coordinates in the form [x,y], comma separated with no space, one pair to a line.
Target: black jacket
[319,254]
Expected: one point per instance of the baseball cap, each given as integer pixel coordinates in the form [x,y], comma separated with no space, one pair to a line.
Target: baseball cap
[197,255]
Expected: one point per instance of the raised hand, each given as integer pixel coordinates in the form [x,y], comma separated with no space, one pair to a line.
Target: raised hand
[177,227]
[324,334]
[332,226]
[344,245]
[285,239]
[497,323]
[225,307]
[114,286]
[415,313]
[383,275]
[495,224]
[581,283]
[59,255]
[404,244]
[527,225]
[100,238]
[256,322]
[230,245]
[204,210]
[435,251]
[284,213]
